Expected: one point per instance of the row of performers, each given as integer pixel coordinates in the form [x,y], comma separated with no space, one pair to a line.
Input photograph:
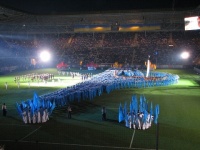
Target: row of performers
[140,121]
[73,74]
[34,76]
[68,73]
[39,116]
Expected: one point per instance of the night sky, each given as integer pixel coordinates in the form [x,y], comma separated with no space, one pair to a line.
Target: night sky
[70,6]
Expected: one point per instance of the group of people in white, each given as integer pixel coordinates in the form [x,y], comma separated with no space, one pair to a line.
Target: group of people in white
[39,116]
[31,78]
[75,74]
[138,121]
[68,73]
[34,77]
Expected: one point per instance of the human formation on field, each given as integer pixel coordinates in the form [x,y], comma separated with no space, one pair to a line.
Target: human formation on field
[140,115]
[107,81]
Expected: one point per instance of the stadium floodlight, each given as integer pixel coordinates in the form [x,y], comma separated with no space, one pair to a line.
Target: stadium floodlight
[185,55]
[45,56]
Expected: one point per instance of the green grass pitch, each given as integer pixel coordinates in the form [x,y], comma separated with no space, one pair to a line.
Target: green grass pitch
[179,121]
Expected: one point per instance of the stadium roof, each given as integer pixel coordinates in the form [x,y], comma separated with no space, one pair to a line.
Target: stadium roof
[60,16]
[74,6]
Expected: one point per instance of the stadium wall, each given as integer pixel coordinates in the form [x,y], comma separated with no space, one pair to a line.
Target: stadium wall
[170,66]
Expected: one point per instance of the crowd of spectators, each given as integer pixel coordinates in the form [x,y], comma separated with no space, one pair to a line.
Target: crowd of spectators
[123,47]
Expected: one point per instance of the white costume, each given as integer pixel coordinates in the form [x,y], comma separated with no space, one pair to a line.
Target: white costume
[130,121]
[18,84]
[29,117]
[44,116]
[24,116]
[34,118]
[38,117]
[47,115]
[134,122]
[144,126]
[6,85]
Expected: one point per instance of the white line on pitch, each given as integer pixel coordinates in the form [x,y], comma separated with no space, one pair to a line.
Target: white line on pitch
[6,124]
[30,133]
[132,138]
[80,145]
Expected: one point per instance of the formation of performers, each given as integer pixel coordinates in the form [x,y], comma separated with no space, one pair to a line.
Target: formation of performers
[138,120]
[154,79]
[84,76]
[35,110]
[104,82]
[34,77]
[139,116]
[39,116]
[68,73]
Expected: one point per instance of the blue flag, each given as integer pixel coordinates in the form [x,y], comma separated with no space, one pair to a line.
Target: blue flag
[121,116]
[19,109]
[35,100]
[52,107]
[125,110]
[151,110]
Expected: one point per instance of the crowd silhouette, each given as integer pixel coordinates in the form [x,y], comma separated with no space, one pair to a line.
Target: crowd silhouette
[126,47]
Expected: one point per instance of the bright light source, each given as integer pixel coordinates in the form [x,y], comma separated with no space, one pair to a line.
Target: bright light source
[99,28]
[134,27]
[45,56]
[185,55]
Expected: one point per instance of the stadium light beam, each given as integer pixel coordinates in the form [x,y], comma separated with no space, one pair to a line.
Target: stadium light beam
[185,55]
[45,56]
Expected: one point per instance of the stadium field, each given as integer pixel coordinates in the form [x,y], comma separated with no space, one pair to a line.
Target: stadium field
[178,119]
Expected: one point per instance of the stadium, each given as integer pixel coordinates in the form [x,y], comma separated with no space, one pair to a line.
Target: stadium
[86,69]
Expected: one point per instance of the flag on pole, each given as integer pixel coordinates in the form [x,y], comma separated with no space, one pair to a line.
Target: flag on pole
[35,100]
[125,110]
[52,107]
[121,116]
[19,109]
[31,107]
[151,110]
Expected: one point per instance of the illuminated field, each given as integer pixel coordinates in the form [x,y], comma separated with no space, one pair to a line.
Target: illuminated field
[61,82]
[187,82]
[178,119]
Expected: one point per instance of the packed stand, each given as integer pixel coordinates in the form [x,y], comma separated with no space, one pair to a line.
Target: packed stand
[125,48]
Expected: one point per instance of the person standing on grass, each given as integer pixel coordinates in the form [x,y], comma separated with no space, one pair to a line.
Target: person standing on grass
[4,109]
[103,111]
[18,84]
[69,110]
[29,84]
[6,85]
